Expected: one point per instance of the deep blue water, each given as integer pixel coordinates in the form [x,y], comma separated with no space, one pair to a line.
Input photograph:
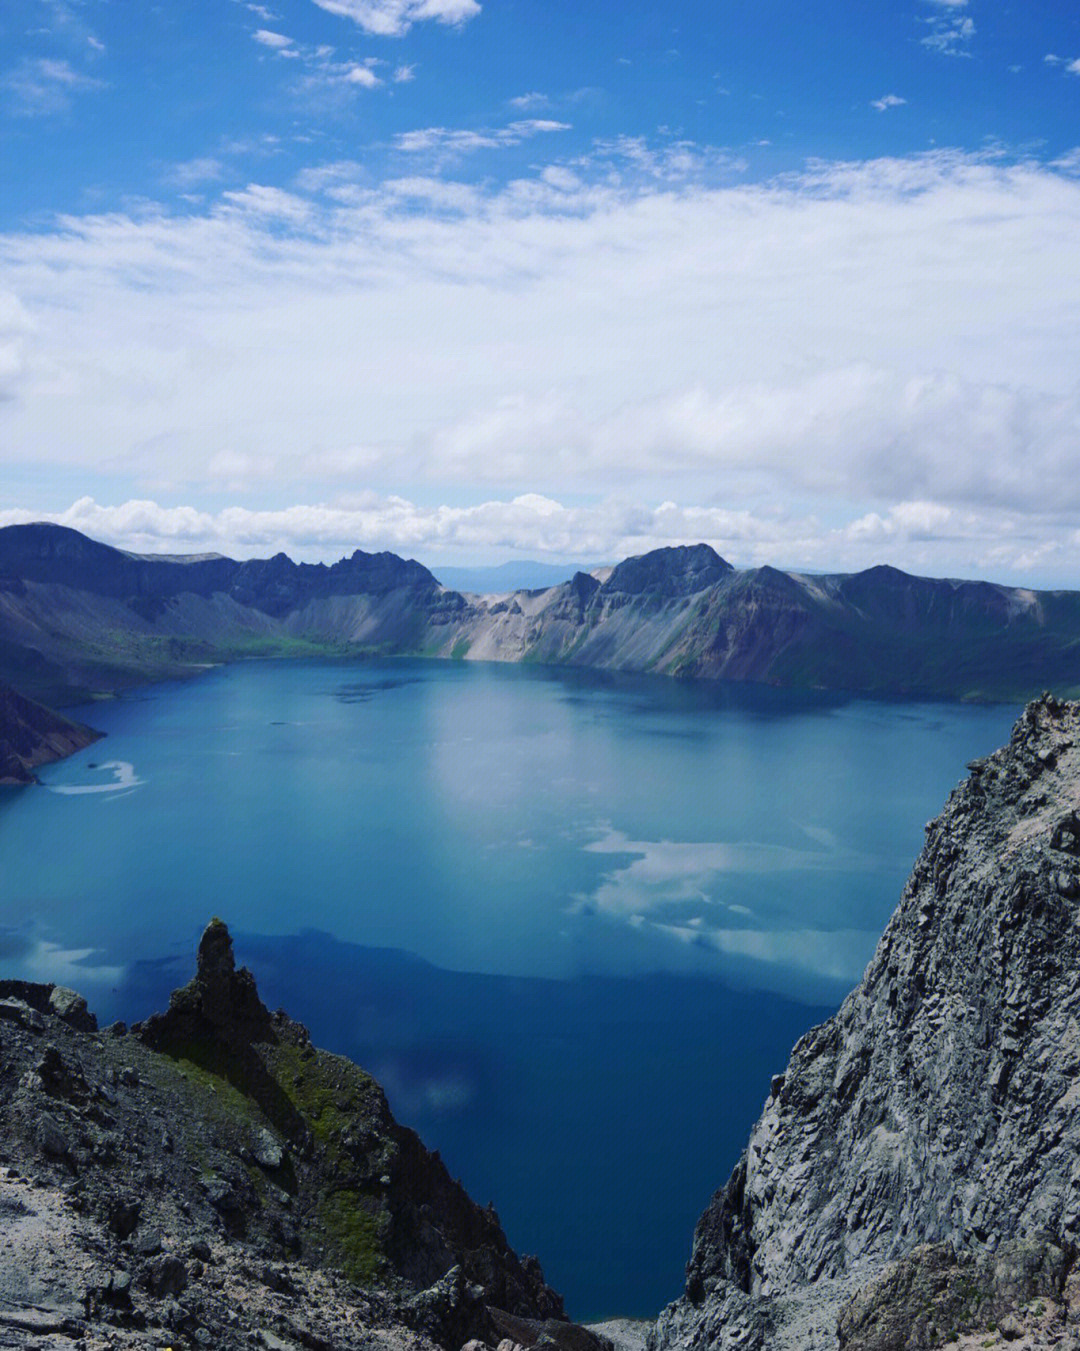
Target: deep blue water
[573,922]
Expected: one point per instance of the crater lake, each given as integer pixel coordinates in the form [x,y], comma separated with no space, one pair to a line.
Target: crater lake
[572,922]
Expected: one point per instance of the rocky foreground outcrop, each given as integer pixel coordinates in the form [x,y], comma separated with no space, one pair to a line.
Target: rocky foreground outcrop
[31,735]
[208,1178]
[940,1106]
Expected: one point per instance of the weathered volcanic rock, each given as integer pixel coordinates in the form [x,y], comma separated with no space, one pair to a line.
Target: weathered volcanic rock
[940,1104]
[209,1178]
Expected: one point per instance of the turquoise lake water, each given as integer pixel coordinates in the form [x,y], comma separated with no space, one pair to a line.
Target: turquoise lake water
[573,922]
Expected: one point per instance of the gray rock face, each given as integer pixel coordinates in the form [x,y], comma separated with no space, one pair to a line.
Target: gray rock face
[939,1105]
[934,1294]
[210,1176]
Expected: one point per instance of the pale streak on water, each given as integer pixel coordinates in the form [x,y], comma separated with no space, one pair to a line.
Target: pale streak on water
[621,886]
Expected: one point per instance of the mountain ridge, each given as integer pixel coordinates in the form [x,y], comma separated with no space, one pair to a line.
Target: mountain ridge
[79,618]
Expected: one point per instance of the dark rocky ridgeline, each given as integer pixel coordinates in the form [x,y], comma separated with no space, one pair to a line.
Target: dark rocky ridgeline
[79,616]
[679,571]
[685,611]
[940,1106]
[31,735]
[47,553]
[209,1178]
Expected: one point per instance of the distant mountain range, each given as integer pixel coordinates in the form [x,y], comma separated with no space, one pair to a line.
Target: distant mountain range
[79,618]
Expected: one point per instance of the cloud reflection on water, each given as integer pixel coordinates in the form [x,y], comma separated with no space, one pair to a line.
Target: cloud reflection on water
[675,889]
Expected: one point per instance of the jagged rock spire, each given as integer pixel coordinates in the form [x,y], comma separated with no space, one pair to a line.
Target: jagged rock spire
[221,1003]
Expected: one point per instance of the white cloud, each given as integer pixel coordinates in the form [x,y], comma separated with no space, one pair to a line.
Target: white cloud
[888,101]
[1074,67]
[527,102]
[671,161]
[803,355]
[459,140]
[38,87]
[404,74]
[277,41]
[15,329]
[923,536]
[394,18]
[189,173]
[270,203]
[950,36]
[356,73]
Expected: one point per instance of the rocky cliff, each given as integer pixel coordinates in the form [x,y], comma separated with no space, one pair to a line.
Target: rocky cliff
[78,617]
[209,1178]
[939,1106]
[31,735]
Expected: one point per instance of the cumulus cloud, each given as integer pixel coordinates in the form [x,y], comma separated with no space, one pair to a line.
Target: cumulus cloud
[394,18]
[926,537]
[804,355]
[1071,67]
[887,101]
[266,38]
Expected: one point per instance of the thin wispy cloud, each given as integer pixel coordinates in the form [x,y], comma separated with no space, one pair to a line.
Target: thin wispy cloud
[45,85]
[322,72]
[464,139]
[526,102]
[888,101]
[394,18]
[950,31]
[194,172]
[67,23]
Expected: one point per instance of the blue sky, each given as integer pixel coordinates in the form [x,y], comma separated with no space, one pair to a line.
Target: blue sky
[477,280]
[107,103]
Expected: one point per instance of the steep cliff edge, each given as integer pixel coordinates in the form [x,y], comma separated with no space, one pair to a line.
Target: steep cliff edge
[32,735]
[940,1104]
[209,1178]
